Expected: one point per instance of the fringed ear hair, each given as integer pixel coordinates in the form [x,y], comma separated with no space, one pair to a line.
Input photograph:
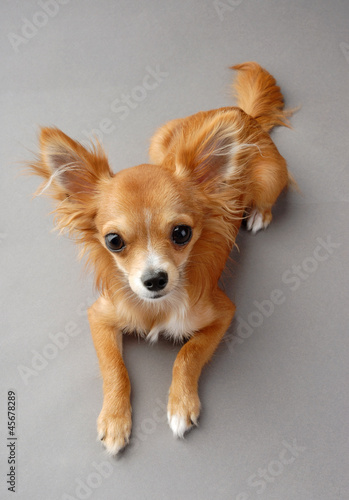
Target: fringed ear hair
[72,176]
[69,169]
[208,155]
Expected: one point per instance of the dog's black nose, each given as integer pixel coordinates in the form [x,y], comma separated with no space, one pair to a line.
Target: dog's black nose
[156,281]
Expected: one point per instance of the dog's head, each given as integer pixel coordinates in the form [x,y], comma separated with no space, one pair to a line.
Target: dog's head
[149,223]
[141,224]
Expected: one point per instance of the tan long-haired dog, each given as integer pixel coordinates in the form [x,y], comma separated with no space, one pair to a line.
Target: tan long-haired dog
[158,235]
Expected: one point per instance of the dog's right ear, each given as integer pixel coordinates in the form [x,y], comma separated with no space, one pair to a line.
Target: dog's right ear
[73,175]
[69,170]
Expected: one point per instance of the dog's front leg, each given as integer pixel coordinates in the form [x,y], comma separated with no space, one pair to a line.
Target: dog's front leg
[184,404]
[114,422]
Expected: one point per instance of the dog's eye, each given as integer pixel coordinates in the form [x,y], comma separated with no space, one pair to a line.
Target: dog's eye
[181,234]
[114,242]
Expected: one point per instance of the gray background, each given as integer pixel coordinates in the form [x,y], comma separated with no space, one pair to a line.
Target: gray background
[282,382]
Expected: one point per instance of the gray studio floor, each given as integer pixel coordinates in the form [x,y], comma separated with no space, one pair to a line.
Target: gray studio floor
[275,403]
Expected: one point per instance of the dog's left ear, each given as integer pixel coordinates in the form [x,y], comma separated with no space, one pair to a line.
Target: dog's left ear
[208,156]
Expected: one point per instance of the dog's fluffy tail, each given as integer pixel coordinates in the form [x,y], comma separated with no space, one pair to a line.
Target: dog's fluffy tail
[258,95]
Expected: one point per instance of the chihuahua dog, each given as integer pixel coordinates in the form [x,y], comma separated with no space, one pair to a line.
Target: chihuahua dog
[158,235]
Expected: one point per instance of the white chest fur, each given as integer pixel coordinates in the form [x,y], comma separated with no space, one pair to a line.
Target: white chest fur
[180,325]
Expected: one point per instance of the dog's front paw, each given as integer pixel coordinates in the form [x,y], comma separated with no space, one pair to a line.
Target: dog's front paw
[182,412]
[114,429]
[257,221]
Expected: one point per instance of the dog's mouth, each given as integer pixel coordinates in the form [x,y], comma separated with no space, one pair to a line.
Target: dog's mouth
[154,297]
[150,296]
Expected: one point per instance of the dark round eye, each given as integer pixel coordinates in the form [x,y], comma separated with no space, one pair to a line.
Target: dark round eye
[114,242]
[181,234]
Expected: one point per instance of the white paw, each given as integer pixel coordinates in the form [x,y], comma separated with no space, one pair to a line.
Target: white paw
[256,221]
[114,431]
[179,424]
[183,410]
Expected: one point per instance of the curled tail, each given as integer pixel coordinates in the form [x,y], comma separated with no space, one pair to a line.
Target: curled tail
[258,95]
